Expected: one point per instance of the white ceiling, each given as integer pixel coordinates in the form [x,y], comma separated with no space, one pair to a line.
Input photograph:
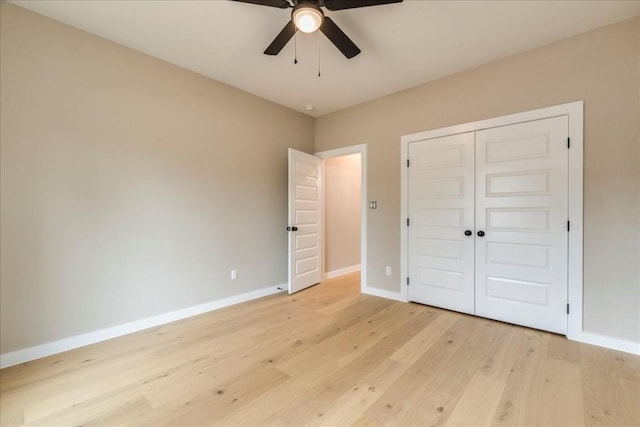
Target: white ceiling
[403,45]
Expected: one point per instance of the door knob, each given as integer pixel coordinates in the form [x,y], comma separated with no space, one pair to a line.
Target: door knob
[468,232]
[480,233]
[292,228]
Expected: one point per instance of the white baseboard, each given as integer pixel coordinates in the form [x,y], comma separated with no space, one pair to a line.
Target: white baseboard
[609,342]
[65,344]
[341,271]
[382,293]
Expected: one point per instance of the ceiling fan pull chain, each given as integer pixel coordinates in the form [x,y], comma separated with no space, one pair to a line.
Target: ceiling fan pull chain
[318,38]
[295,47]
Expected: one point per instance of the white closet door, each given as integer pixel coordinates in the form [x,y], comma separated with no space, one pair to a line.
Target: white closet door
[521,206]
[441,209]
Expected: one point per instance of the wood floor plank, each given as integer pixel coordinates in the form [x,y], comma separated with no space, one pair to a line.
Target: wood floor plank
[210,405]
[327,356]
[11,412]
[354,340]
[630,391]
[436,403]
[409,353]
[522,395]
[358,399]
[403,396]
[563,349]
[365,421]
[604,403]
[118,410]
[307,409]
[265,406]
[624,365]
[116,415]
[478,403]
[342,304]
[499,361]
[562,400]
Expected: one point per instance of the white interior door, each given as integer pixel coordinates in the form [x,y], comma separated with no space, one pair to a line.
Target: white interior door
[441,210]
[521,223]
[305,207]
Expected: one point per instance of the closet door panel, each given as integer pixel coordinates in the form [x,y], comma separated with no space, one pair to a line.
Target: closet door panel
[441,207]
[521,207]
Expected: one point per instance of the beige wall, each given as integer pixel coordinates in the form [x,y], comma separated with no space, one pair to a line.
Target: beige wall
[603,68]
[342,212]
[129,187]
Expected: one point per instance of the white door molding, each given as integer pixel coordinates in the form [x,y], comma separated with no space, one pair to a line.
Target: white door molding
[574,112]
[345,151]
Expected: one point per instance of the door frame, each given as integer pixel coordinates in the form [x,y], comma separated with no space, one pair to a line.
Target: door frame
[574,111]
[345,151]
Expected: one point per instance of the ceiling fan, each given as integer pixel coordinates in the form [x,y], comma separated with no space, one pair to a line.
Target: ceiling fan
[307,16]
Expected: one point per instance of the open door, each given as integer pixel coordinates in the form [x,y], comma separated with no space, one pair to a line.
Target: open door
[305,222]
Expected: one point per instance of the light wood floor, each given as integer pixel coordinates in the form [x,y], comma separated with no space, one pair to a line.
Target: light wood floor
[327,356]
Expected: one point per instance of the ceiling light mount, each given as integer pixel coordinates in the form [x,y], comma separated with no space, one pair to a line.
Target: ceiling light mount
[307,17]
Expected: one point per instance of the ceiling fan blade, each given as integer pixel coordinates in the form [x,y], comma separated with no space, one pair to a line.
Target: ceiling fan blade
[281,39]
[282,4]
[352,4]
[339,38]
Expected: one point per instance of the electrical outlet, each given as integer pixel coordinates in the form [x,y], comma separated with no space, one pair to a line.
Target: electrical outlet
[387,270]
[234,274]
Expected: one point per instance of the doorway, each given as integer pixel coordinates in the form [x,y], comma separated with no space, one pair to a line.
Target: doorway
[345,179]
[341,215]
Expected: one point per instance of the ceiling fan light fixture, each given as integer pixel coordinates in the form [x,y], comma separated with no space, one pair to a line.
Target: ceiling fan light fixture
[307,17]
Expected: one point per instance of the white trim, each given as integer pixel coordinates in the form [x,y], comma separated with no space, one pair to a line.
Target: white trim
[574,111]
[341,271]
[382,293]
[525,116]
[610,342]
[70,343]
[404,214]
[345,151]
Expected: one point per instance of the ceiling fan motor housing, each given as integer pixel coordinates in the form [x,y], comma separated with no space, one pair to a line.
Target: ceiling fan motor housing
[307,16]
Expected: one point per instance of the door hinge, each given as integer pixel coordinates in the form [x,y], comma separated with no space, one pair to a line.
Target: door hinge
[568,142]
[407,222]
[407,162]
[568,225]
[567,308]
[407,280]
